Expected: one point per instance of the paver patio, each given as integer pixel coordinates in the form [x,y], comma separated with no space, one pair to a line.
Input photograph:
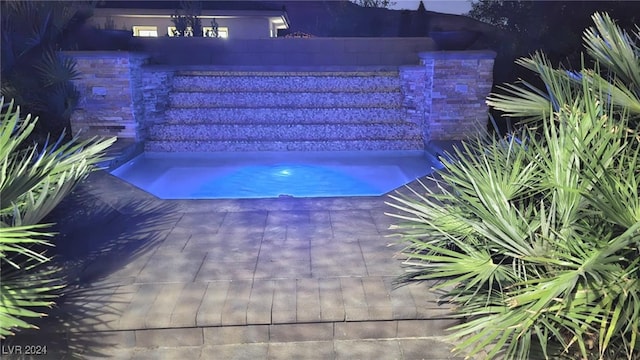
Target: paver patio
[234,279]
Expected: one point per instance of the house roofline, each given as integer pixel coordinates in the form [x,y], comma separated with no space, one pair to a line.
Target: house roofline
[129,12]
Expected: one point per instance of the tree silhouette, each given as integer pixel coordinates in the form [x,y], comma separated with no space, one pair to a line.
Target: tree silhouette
[374,3]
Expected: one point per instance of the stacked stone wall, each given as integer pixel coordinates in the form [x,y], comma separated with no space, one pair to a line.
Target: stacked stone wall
[461,81]
[121,95]
[156,85]
[110,95]
[416,86]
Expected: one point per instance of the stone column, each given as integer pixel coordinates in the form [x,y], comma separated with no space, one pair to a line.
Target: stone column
[416,94]
[111,94]
[460,81]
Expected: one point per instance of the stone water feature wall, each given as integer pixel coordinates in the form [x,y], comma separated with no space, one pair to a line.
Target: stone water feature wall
[111,100]
[121,95]
[456,84]
[285,110]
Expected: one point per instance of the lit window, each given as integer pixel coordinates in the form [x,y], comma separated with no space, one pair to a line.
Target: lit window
[171,31]
[223,32]
[148,31]
[207,31]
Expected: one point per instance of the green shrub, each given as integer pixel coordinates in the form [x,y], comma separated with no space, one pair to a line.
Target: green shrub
[535,238]
[32,182]
[34,73]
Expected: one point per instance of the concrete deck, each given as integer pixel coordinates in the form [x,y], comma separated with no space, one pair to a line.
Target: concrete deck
[233,279]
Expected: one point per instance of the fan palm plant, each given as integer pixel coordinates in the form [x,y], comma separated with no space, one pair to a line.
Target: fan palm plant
[34,73]
[535,237]
[32,182]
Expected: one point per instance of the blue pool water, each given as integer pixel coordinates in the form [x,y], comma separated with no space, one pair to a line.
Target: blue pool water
[269,175]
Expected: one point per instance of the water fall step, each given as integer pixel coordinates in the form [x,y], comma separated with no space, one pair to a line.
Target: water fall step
[279,111]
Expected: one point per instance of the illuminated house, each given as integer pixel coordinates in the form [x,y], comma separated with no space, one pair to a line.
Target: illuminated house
[232,19]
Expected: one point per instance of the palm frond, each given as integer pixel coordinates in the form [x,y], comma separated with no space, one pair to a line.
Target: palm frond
[536,237]
[613,48]
[56,70]
[32,183]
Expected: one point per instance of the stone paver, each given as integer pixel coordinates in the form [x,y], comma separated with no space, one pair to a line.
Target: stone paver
[182,268]
[307,301]
[133,315]
[401,301]
[185,311]
[352,223]
[234,311]
[367,349]
[236,334]
[309,350]
[416,328]
[210,310]
[426,349]
[235,351]
[301,332]
[199,223]
[116,306]
[378,298]
[331,302]
[337,259]
[160,311]
[260,302]
[169,337]
[355,300]
[283,310]
[213,269]
[167,353]
[366,330]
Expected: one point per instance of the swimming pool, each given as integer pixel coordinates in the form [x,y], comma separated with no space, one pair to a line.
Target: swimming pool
[269,174]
